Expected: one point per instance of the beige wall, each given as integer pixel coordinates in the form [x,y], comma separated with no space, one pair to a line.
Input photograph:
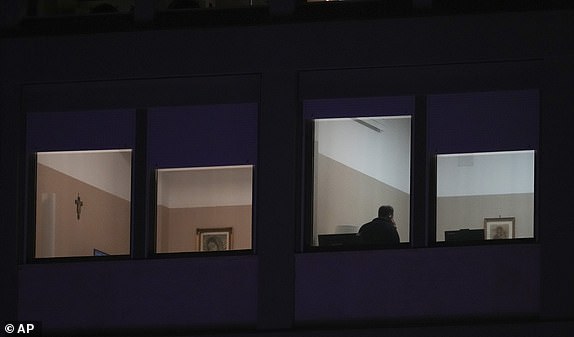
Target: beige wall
[346,196]
[455,213]
[177,227]
[104,222]
[162,229]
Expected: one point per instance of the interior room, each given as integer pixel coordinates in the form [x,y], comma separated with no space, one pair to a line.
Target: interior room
[475,189]
[83,203]
[198,205]
[359,165]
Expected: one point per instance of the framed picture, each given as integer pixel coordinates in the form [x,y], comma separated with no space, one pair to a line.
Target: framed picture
[498,228]
[214,239]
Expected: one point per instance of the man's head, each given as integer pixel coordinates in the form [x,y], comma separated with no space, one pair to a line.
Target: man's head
[386,212]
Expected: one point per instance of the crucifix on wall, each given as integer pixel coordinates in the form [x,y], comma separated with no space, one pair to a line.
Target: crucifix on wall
[79,203]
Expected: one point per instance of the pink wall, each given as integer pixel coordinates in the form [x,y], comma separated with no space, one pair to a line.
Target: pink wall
[177,227]
[104,221]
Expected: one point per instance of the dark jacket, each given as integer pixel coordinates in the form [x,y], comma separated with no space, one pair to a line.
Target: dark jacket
[379,232]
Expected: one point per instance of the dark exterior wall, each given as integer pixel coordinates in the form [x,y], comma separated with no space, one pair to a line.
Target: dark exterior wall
[290,63]
[559,227]
[420,285]
[154,294]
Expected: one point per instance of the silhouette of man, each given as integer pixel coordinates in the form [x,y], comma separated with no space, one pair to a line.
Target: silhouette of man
[380,231]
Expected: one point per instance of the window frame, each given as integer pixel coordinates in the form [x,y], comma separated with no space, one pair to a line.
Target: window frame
[153,163]
[307,196]
[121,127]
[493,121]
[32,213]
[432,225]
[153,253]
[424,152]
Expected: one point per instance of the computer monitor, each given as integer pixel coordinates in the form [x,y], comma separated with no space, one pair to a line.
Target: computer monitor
[464,235]
[98,252]
[331,240]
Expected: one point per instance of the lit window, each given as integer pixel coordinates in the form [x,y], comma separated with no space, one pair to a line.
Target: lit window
[485,196]
[204,159]
[83,203]
[204,209]
[359,164]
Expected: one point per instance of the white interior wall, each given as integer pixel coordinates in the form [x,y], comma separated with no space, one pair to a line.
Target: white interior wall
[384,156]
[473,187]
[109,171]
[485,174]
[205,187]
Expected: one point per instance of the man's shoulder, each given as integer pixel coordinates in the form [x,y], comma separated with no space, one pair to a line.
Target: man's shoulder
[368,224]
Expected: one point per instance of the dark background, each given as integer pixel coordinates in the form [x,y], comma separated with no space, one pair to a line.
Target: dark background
[288,55]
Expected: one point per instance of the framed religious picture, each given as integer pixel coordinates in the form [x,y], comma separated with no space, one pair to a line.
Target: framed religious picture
[498,228]
[214,239]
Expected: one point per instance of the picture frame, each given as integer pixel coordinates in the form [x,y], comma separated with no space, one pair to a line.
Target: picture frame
[214,239]
[499,228]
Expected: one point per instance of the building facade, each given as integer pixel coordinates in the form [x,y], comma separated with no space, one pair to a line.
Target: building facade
[471,81]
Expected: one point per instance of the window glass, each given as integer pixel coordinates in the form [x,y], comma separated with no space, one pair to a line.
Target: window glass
[359,164]
[204,209]
[485,196]
[83,203]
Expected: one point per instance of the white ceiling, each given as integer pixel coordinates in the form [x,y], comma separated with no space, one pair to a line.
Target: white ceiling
[205,187]
[108,170]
